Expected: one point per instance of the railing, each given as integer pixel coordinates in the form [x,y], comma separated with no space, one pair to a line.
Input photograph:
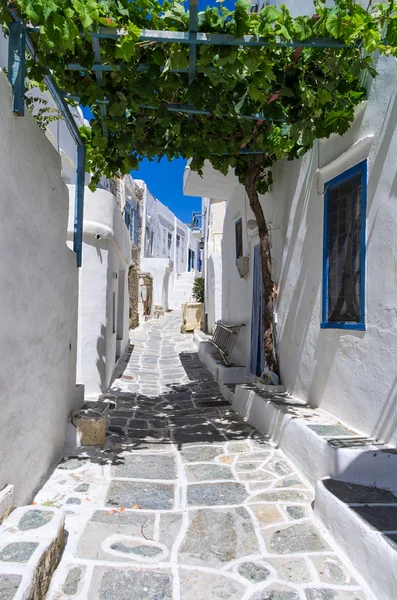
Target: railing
[224,339]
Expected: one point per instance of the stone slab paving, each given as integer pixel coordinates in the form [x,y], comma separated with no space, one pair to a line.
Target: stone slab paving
[186,501]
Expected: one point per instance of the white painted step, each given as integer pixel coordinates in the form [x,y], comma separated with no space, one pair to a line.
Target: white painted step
[32,539]
[359,519]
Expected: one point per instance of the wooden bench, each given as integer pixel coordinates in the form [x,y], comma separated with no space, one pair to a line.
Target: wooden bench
[224,339]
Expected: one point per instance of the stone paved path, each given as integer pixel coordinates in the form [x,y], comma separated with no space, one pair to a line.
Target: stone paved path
[186,501]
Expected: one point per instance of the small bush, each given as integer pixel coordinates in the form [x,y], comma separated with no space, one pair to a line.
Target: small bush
[198,289]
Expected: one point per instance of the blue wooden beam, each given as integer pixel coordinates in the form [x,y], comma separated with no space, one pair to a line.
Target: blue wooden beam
[79,205]
[191,110]
[218,39]
[116,67]
[16,65]
[193,22]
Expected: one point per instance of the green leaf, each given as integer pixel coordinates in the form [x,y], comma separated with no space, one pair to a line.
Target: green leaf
[334,25]
[254,93]
[270,13]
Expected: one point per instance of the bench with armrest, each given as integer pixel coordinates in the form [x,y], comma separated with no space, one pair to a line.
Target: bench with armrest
[224,339]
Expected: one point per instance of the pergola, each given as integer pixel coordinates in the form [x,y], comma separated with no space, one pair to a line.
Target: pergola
[20,40]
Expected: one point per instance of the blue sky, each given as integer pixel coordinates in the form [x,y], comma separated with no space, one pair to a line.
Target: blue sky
[165,178]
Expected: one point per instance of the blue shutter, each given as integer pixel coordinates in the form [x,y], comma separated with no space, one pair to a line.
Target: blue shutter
[127,216]
[136,225]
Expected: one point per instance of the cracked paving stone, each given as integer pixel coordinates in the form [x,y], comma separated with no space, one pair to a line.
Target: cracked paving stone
[197,585]
[71,584]
[266,514]
[152,496]
[33,519]
[145,466]
[208,472]
[215,537]
[289,482]
[293,570]
[83,488]
[138,423]
[117,584]
[331,570]
[280,496]
[70,464]
[104,524]
[280,467]
[143,550]
[302,537]
[296,512]
[9,584]
[212,494]
[199,435]
[18,552]
[276,593]
[254,572]
[200,453]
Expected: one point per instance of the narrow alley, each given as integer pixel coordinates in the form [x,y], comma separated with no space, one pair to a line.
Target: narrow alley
[185,500]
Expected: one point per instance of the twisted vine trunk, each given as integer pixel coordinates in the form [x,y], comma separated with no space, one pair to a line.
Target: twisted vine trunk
[252,175]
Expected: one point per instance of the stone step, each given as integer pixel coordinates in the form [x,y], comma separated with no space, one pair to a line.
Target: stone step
[32,539]
[316,442]
[363,522]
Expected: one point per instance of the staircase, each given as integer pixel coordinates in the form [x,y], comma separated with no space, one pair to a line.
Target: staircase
[181,290]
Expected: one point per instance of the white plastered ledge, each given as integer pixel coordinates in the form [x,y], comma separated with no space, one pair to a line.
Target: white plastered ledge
[355,154]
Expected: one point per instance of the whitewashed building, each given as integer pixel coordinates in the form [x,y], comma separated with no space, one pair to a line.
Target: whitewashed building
[336,350]
[333,223]
[170,253]
[39,291]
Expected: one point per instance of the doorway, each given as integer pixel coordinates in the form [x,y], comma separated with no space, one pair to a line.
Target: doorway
[257,354]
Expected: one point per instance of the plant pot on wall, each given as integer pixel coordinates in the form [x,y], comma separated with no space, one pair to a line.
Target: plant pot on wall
[192,316]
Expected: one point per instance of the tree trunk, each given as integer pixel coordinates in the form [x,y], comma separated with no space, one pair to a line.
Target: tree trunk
[252,175]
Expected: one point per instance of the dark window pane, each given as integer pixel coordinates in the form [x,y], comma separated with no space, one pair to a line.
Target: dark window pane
[344,251]
[239,238]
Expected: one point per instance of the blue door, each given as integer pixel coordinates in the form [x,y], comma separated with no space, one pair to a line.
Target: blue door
[189,262]
[257,355]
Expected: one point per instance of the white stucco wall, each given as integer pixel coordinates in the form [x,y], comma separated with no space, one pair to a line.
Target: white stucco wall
[349,374]
[38,312]
[160,269]
[103,324]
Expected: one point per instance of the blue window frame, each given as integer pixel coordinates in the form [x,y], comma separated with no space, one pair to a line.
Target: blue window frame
[344,250]
[127,215]
[238,229]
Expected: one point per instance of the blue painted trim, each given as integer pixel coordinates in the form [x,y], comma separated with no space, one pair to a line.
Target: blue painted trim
[235,237]
[219,39]
[16,65]
[79,205]
[353,326]
[360,168]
